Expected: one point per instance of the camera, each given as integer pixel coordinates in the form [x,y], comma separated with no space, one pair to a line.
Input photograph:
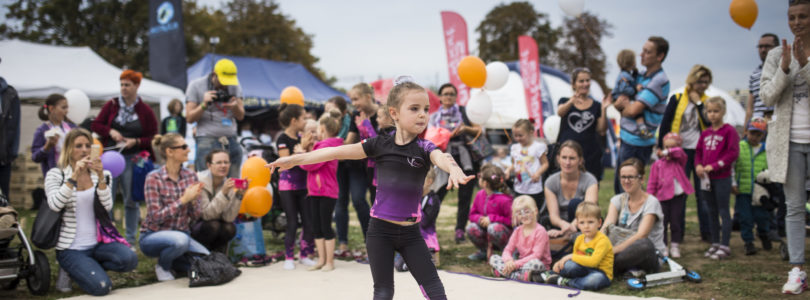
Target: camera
[222,96]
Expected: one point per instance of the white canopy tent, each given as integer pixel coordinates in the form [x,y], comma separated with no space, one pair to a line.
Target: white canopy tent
[38,70]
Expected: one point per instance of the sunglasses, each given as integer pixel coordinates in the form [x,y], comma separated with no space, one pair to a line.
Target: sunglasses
[183,146]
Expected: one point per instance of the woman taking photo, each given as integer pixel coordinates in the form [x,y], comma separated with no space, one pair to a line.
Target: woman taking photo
[50,136]
[641,213]
[220,201]
[452,117]
[172,203]
[566,189]
[584,121]
[88,242]
[127,121]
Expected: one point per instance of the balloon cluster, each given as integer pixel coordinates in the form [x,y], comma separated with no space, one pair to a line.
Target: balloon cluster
[257,200]
[475,74]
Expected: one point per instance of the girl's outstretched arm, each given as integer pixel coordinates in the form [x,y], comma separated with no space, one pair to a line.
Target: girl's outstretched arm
[448,164]
[351,151]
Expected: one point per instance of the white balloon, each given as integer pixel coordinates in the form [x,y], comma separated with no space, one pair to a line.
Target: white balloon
[497,74]
[572,8]
[551,128]
[78,105]
[479,108]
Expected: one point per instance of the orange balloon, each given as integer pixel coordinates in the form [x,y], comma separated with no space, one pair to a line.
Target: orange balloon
[256,202]
[97,142]
[292,95]
[744,12]
[472,71]
[254,170]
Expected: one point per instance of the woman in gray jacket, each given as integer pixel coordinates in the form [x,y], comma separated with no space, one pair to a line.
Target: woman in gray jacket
[220,201]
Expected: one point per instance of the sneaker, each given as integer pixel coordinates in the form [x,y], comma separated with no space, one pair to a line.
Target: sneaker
[711,250]
[307,262]
[459,236]
[750,249]
[796,283]
[674,251]
[163,275]
[562,281]
[477,256]
[721,253]
[289,264]
[495,272]
[766,242]
[545,277]
[63,282]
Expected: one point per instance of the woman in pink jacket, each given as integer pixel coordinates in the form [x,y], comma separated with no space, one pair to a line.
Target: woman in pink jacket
[491,215]
[668,183]
[323,192]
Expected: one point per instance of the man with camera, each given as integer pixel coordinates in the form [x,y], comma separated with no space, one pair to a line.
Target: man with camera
[215,103]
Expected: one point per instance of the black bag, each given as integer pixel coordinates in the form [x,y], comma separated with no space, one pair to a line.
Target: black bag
[213,269]
[479,146]
[47,225]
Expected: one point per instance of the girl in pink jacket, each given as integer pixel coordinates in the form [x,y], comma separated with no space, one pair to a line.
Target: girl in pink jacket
[323,192]
[529,239]
[491,215]
[668,183]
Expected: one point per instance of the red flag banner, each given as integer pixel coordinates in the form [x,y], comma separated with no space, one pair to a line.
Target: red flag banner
[530,72]
[455,41]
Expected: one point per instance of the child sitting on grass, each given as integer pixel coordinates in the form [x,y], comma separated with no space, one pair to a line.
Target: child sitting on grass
[529,239]
[491,214]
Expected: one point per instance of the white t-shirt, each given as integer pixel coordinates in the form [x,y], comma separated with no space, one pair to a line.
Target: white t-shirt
[526,161]
[800,122]
[85,221]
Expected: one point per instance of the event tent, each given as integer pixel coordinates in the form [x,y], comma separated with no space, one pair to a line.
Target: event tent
[263,80]
[735,112]
[38,70]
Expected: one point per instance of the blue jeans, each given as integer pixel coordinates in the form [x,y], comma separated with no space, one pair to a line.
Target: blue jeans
[750,215]
[702,209]
[717,201]
[584,278]
[352,181]
[132,210]
[626,151]
[205,144]
[795,198]
[169,246]
[87,267]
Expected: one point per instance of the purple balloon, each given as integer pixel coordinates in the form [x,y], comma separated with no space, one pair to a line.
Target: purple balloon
[113,162]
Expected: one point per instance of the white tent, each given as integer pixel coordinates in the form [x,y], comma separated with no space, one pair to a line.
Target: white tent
[38,70]
[735,112]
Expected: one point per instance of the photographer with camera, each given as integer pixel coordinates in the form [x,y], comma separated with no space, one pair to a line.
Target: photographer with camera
[215,103]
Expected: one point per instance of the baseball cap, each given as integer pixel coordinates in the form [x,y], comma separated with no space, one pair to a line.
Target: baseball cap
[758,124]
[226,72]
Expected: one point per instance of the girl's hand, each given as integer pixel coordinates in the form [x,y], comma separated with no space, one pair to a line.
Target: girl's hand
[484,222]
[229,185]
[798,51]
[536,177]
[191,193]
[509,267]
[307,141]
[699,170]
[785,56]
[708,169]
[457,178]
[283,163]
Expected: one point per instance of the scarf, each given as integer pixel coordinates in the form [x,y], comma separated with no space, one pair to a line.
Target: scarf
[683,102]
[126,113]
[447,118]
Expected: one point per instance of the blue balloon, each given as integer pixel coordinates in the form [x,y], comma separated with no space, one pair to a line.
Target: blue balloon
[113,162]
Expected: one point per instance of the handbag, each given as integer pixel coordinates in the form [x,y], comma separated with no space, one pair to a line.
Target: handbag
[617,234]
[479,146]
[47,225]
[212,269]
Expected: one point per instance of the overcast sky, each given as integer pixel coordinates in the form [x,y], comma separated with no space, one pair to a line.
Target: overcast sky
[363,40]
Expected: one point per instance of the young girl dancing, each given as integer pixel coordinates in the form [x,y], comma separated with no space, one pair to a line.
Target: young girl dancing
[402,160]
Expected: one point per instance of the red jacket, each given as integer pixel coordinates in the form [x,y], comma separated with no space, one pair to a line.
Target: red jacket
[103,122]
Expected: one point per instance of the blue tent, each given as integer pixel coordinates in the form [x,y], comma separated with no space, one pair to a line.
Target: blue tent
[263,80]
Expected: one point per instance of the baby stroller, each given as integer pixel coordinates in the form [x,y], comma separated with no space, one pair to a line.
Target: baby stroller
[20,261]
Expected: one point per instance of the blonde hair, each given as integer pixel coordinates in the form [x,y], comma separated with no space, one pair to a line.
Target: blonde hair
[719,101]
[696,72]
[364,88]
[65,157]
[163,142]
[331,121]
[626,60]
[588,210]
[521,202]
[397,93]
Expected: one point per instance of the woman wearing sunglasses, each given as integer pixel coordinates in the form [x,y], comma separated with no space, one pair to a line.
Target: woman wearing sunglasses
[172,203]
[639,212]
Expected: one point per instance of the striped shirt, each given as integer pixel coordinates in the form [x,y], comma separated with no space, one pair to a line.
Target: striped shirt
[164,211]
[60,196]
[753,86]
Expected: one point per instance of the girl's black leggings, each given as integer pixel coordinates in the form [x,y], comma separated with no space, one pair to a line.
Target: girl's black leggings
[382,241]
[321,209]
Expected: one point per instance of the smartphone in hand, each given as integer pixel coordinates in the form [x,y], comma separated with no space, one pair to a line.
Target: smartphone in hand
[95,151]
[240,183]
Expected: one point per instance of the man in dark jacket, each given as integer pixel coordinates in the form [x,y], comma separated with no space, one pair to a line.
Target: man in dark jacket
[9,132]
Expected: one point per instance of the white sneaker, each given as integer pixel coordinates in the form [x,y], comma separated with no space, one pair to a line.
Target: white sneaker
[307,262]
[163,275]
[63,282]
[796,283]
[289,264]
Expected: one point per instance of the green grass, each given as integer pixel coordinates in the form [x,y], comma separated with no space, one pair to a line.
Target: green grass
[740,277]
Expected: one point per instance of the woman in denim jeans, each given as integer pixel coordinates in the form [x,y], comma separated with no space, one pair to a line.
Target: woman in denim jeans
[88,242]
[172,203]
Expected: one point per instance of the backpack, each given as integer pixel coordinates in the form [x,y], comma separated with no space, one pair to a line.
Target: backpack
[212,269]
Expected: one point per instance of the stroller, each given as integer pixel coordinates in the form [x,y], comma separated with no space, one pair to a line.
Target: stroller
[20,261]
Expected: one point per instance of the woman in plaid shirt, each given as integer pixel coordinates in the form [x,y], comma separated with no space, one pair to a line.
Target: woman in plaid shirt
[172,203]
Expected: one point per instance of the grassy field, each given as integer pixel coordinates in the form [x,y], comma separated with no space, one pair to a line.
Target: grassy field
[739,277]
